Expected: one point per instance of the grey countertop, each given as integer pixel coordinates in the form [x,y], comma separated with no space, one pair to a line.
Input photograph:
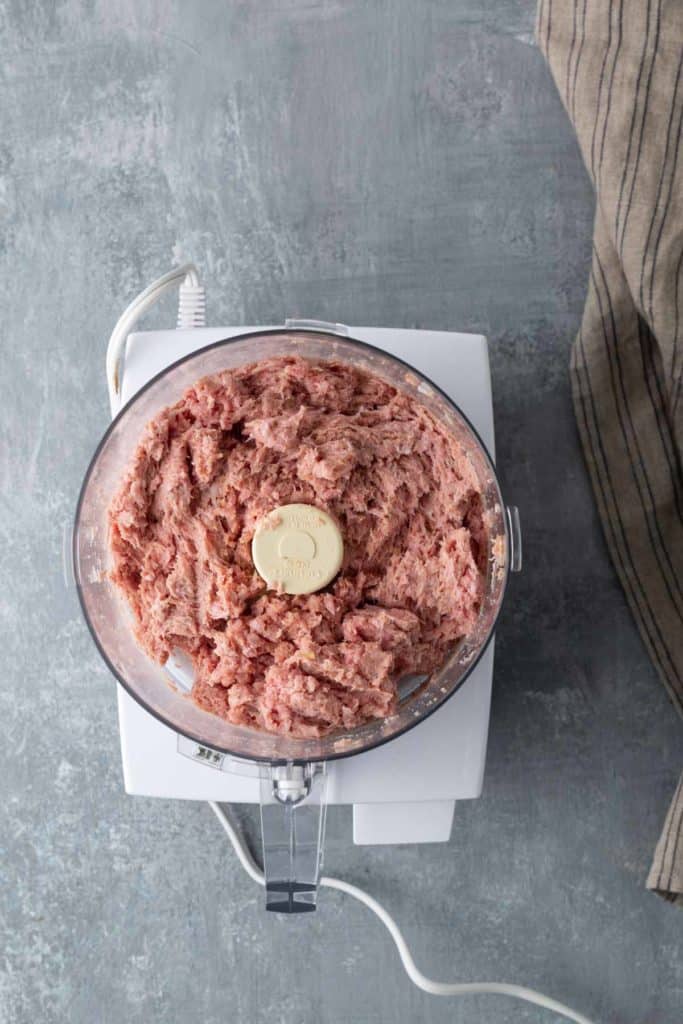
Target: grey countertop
[393,163]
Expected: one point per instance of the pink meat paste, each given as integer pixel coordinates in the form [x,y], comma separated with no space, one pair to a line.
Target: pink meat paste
[286,430]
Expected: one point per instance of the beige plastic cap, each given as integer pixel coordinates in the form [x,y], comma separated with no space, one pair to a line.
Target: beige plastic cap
[297,548]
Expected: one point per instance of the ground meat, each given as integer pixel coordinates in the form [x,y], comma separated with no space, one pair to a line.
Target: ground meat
[276,432]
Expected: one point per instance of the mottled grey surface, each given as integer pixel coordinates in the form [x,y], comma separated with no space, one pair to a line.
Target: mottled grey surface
[371,162]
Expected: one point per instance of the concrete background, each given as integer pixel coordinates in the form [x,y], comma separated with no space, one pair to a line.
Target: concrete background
[373,162]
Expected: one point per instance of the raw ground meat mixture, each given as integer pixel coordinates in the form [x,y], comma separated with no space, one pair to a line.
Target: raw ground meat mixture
[285,430]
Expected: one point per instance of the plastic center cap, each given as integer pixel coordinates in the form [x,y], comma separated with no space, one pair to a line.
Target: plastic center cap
[296,544]
[297,549]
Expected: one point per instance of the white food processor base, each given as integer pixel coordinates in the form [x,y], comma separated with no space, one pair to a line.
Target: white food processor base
[409,786]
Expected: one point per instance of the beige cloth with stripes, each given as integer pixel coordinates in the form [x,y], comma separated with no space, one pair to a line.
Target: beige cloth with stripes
[618,65]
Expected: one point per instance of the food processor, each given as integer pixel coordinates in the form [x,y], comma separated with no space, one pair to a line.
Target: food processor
[293,779]
[402,774]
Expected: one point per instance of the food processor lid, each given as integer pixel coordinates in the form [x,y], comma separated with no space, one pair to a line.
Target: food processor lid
[107,614]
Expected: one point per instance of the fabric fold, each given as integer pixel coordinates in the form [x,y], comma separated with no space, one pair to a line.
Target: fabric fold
[618,66]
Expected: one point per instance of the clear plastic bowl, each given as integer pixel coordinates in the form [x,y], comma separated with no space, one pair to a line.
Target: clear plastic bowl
[106,610]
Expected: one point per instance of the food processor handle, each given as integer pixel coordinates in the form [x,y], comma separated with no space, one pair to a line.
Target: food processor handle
[293,828]
[515,537]
[316,325]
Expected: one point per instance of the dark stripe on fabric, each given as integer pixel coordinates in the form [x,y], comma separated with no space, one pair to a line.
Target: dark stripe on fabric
[676,381]
[642,129]
[548,26]
[611,82]
[672,178]
[578,60]
[661,647]
[669,433]
[634,109]
[651,374]
[633,448]
[570,57]
[600,88]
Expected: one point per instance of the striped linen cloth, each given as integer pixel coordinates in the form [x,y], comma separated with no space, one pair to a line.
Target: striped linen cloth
[618,65]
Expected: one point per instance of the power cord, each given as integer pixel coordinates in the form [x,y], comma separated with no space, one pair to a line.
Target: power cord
[435,988]
[191,313]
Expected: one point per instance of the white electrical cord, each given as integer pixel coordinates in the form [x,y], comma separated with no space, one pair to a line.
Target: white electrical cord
[435,988]
[191,313]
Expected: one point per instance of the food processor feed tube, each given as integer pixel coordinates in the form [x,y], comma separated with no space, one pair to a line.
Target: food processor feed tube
[293,828]
[291,768]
